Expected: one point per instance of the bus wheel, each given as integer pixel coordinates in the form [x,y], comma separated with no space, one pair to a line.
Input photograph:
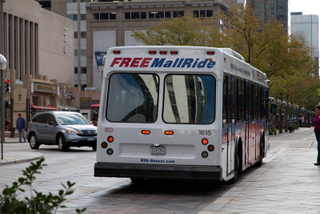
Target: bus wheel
[137,180]
[262,152]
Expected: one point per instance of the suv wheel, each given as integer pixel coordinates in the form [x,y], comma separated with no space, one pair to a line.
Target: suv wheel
[33,142]
[62,143]
[94,147]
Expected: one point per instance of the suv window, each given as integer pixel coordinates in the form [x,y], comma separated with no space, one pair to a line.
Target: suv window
[40,119]
[72,119]
[51,118]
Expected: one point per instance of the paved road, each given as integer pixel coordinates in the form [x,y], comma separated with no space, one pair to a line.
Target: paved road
[287,182]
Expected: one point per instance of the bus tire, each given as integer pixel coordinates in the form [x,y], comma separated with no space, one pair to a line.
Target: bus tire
[262,152]
[137,180]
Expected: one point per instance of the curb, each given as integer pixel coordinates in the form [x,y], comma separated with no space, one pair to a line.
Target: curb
[11,157]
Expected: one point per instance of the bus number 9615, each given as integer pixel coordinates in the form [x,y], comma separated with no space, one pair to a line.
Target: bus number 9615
[205,132]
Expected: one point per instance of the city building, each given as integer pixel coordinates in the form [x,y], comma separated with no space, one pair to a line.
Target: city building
[271,10]
[307,26]
[74,10]
[38,45]
[111,23]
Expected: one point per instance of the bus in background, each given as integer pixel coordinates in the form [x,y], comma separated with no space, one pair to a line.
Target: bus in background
[180,112]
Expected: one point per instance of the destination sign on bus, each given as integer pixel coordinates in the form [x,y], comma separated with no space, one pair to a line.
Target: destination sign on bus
[144,62]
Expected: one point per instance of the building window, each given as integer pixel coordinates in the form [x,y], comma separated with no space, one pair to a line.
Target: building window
[178,14]
[83,52]
[159,14]
[135,15]
[83,16]
[105,16]
[202,13]
[83,70]
[82,33]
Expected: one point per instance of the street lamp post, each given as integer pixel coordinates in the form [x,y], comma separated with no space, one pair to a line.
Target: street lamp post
[3,65]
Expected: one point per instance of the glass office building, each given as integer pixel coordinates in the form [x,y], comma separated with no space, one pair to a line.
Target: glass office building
[308,27]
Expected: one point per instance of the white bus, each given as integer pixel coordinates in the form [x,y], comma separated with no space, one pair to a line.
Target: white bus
[180,112]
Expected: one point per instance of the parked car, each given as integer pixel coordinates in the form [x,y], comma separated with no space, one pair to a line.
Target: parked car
[63,128]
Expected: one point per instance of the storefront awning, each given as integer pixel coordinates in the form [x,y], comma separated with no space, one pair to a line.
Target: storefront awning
[43,107]
[95,105]
[36,107]
[52,108]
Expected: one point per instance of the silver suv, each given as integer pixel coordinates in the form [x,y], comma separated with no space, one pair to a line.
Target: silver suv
[63,128]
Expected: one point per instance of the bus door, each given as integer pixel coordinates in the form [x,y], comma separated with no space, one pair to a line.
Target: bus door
[229,120]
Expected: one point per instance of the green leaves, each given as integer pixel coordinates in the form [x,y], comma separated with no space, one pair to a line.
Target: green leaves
[181,31]
[40,203]
[285,59]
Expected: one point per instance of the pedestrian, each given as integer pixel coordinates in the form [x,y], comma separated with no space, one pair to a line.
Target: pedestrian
[290,125]
[21,124]
[317,131]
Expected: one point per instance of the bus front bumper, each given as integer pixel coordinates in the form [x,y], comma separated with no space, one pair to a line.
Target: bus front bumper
[157,171]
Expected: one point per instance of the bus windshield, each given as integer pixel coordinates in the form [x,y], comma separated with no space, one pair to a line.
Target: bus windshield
[189,99]
[133,98]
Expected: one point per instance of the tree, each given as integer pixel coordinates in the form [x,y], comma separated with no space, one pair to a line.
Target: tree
[186,30]
[285,59]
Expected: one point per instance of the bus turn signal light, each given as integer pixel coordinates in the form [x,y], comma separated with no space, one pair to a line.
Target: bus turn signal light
[104,145]
[110,139]
[205,141]
[168,132]
[210,148]
[145,132]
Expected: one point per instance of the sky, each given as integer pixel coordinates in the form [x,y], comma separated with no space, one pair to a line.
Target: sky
[305,6]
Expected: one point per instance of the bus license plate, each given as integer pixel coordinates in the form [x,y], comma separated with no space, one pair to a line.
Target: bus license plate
[90,138]
[157,150]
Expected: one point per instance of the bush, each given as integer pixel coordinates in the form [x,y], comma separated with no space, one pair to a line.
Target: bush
[40,203]
[272,130]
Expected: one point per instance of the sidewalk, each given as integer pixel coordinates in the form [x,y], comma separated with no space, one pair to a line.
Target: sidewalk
[287,182]
[17,156]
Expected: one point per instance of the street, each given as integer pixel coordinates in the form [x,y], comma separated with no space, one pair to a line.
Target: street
[119,195]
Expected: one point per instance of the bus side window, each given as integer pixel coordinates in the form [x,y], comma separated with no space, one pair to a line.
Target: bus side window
[230,100]
[248,101]
[239,100]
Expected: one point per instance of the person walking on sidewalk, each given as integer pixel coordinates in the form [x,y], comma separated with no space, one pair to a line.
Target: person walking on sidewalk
[317,131]
[21,124]
[290,125]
